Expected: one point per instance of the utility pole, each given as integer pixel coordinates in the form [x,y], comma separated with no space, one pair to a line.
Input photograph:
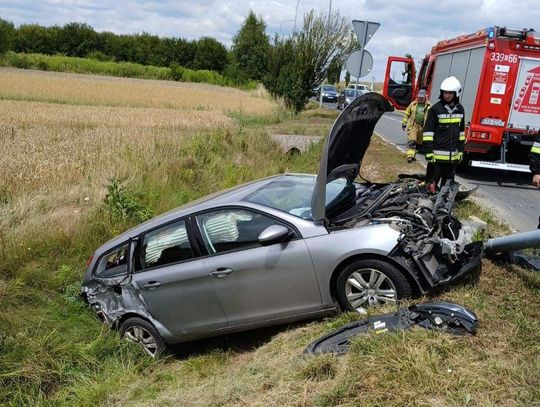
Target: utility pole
[327,29]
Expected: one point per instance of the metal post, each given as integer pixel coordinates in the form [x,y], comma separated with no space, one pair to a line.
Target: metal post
[361,57]
[295,14]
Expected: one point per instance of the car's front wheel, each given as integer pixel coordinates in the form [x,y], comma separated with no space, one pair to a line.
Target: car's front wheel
[369,283]
[144,334]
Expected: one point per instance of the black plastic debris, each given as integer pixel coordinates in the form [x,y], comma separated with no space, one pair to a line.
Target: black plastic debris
[443,316]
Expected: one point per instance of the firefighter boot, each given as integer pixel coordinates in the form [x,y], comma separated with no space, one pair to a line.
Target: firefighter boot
[411,151]
[414,137]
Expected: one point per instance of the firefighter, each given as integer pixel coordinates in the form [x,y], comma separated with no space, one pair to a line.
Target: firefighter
[444,134]
[413,122]
[535,161]
[535,164]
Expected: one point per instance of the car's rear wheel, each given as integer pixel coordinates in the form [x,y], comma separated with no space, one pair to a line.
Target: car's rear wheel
[369,283]
[144,334]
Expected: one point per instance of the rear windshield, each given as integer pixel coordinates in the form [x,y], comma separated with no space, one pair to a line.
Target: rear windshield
[292,194]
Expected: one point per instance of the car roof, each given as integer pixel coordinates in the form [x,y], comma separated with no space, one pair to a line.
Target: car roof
[220,198]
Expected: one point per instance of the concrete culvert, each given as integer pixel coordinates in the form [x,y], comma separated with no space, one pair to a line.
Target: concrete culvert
[294,151]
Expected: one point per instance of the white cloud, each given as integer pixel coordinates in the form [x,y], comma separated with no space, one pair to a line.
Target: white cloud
[405,27]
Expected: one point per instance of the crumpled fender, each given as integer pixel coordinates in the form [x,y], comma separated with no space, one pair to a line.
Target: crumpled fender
[111,300]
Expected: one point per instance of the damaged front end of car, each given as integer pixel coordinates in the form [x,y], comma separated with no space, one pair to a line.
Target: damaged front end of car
[434,246]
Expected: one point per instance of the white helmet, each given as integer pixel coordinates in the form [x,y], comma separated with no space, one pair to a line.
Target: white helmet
[451,84]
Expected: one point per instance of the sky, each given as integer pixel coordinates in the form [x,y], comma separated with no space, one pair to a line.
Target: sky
[406,27]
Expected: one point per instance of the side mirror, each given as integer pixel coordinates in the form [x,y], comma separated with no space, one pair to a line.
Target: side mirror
[274,234]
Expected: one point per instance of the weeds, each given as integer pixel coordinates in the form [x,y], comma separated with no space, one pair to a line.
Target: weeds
[121,204]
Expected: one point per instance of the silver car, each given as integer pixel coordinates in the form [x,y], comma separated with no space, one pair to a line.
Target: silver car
[281,249]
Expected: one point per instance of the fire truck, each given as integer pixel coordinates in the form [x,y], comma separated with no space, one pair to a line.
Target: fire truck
[499,71]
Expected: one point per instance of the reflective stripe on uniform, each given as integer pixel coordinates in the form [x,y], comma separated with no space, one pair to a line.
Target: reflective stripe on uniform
[535,148]
[461,136]
[448,116]
[444,152]
[446,157]
[451,120]
[428,136]
[442,155]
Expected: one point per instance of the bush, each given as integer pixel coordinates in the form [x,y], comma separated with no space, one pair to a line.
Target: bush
[61,63]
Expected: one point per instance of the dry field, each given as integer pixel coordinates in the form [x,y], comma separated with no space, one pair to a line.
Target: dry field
[65,135]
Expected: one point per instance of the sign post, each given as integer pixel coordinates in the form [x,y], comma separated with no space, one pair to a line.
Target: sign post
[360,62]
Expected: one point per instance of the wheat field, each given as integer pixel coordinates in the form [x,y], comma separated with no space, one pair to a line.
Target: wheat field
[65,135]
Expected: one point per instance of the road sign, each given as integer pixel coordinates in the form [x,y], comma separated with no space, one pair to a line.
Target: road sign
[358,66]
[365,30]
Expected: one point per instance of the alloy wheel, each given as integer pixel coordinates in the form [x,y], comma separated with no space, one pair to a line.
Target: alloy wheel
[145,339]
[369,287]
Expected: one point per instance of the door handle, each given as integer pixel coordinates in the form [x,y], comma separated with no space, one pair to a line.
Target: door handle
[221,272]
[152,284]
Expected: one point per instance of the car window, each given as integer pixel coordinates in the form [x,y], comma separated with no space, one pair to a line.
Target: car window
[166,245]
[232,229]
[114,263]
[293,194]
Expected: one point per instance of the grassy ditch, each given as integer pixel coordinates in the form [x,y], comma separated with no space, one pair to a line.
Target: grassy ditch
[61,63]
[81,165]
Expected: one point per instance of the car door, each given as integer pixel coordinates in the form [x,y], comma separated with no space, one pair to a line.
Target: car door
[256,283]
[174,283]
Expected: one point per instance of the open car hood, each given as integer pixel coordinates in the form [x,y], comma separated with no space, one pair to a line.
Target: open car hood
[346,145]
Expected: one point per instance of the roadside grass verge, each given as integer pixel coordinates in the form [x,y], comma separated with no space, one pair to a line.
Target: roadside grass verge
[53,351]
[61,63]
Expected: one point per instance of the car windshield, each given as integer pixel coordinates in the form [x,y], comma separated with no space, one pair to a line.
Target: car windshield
[351,92]
[292,194]
[329,88]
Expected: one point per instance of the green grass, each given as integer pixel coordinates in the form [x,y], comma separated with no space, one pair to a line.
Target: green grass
[61,63]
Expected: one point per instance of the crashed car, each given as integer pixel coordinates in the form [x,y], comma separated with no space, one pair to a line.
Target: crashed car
[280,249]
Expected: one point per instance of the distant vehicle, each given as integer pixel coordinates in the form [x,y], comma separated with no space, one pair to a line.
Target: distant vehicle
[329,93]
[281,249]
[362,87]
[348,95]
[499,70]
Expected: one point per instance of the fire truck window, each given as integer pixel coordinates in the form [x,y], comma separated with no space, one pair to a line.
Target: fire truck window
[422,74]
[401,73]
[429,75]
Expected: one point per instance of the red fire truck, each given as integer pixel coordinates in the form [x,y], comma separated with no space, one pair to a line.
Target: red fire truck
[499,71]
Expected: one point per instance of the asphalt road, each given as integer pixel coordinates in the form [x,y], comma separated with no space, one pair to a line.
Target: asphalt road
[509,194]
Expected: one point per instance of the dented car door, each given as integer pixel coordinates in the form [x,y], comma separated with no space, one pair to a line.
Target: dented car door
[174,284]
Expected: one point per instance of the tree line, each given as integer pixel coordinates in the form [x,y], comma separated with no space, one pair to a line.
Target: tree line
[81,40]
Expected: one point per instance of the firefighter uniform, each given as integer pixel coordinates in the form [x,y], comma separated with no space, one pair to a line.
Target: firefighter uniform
[535,155]
[535,161]
[414,119]
[444,141]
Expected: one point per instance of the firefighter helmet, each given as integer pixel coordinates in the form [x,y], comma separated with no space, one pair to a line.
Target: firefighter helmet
[451,84]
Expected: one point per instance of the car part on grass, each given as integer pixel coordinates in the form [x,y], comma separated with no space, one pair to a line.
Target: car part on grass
[440,316]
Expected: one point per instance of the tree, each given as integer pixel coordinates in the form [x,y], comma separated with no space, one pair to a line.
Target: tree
[77,39]
[334,70]
[33,38]
[250,49]
[347,78]
[7,35]
[298,63]
[210,54]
